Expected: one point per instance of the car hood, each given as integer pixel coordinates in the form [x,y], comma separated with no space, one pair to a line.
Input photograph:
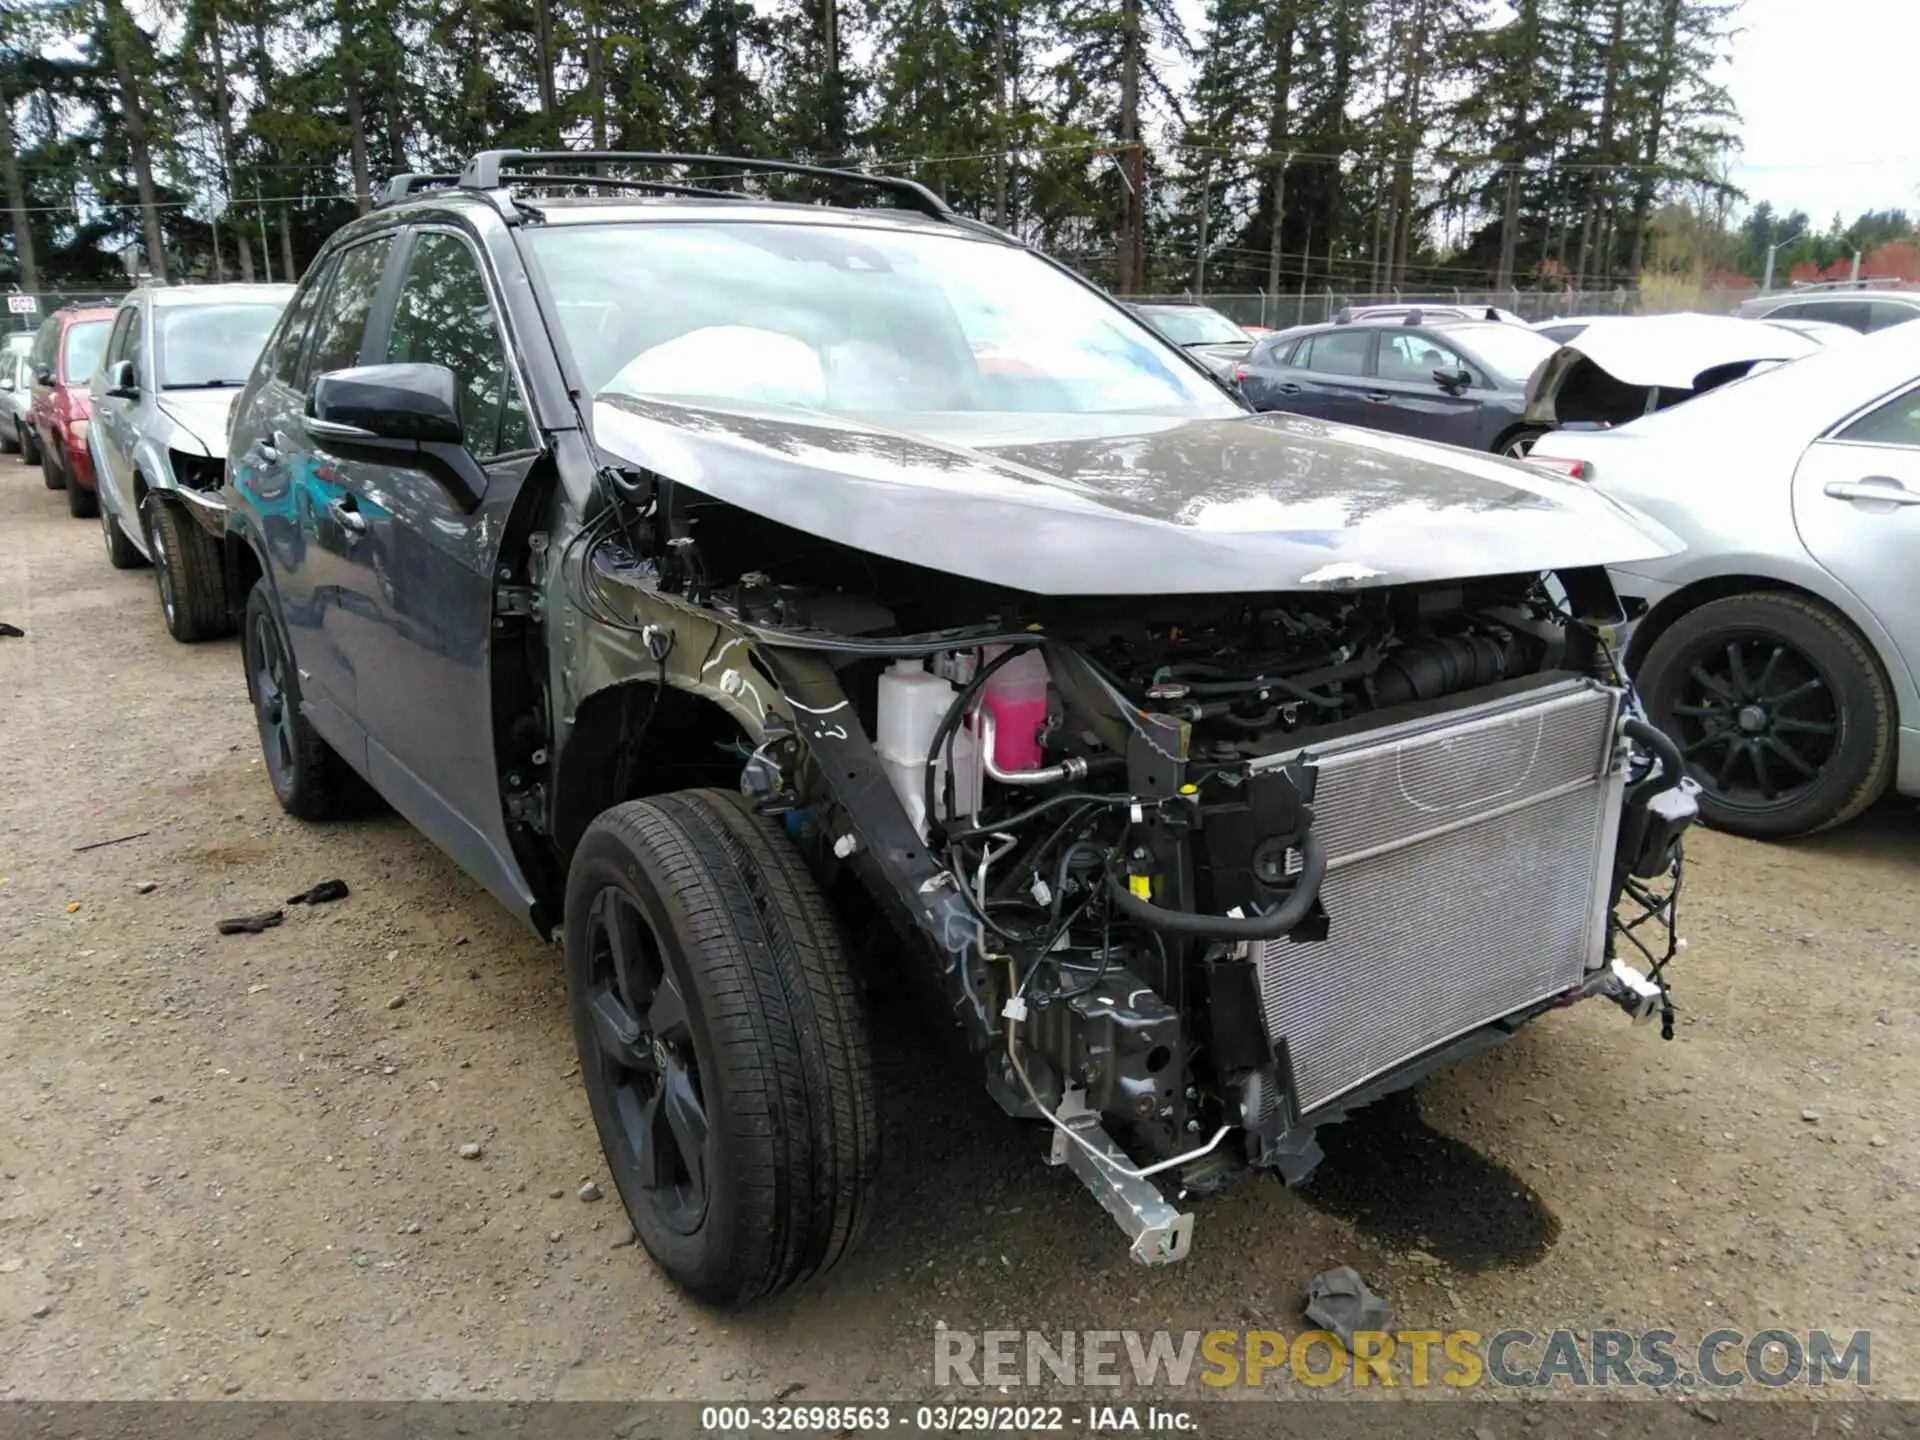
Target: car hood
[1602,374]
[203,414]
[1131,504]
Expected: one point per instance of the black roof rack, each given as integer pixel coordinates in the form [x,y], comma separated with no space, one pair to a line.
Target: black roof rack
[489,169]
[411,182]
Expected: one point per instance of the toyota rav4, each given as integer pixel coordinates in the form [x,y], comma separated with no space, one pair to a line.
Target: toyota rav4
[719,557]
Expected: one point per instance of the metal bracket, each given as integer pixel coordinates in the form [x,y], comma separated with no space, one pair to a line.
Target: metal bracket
[521,601]
[1160,1233]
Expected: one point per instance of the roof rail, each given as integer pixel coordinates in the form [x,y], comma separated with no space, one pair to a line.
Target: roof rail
[489,169]
[1865,282]
[411,182]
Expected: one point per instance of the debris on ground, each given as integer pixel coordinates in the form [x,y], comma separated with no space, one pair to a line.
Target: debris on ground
[250,924]
[321,894]
[146,887]
[589,1191]
[472,1150]
[396,1002]
[11,632]
[1339,1300]
[116,840]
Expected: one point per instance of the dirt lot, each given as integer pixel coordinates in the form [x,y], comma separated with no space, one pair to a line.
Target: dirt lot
[231,1165]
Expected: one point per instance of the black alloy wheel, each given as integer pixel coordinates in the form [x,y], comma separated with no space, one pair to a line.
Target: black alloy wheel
[309,779]
[1780,709]
[648,1064]
[722,1042]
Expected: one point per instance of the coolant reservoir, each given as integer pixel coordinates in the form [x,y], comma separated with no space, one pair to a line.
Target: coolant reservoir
[1016,693]
[912,703]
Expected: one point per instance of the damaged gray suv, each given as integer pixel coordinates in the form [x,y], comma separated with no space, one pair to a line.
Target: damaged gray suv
[723,578]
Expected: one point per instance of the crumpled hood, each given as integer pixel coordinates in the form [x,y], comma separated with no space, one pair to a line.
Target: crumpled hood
[1595,371]
[203,414]
[1131,504]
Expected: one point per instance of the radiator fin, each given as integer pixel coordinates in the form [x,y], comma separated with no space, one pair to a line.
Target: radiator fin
[1465,858]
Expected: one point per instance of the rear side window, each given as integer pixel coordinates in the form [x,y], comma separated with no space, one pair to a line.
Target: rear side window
[444,316]
[135,324]
[1850,313]
[44,344]
[340,322]
[1895,423]
[1882,313]
[1337,352]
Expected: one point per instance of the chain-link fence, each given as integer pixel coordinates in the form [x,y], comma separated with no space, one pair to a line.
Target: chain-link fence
[1277,310]
[25,312]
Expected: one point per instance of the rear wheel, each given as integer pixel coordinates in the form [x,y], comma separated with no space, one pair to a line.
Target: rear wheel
[308,779]
[1781,710]
[186,566]
[722,1042]
[10,441]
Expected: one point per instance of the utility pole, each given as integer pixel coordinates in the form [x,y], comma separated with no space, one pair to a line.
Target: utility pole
[1279,219]
[1509,228]
[1206,199]
[1766,281]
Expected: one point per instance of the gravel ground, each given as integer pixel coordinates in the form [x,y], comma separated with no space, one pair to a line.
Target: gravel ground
[234,1166]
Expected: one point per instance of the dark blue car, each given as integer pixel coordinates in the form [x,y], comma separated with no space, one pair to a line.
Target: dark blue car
[1461,382]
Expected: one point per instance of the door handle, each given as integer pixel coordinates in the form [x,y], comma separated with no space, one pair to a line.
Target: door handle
[1883,488]
[1289,388]
[346,511]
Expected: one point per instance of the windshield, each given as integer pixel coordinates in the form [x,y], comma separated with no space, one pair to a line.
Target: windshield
[202,345]
[1193,325]
[1510,351]
[850,319]
[85,341]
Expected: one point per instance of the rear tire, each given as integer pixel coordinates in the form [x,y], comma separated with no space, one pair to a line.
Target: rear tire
[723,1044]
[29,447]
[308,778]
[187,569]
[1773,691]
[10,441]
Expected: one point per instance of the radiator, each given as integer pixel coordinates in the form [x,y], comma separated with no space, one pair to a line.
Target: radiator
[1469,866]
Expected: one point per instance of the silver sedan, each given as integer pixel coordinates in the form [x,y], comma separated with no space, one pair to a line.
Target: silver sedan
[1780,648]
[173,363]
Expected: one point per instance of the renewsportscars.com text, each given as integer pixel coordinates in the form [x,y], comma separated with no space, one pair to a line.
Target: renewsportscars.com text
[1460,1359]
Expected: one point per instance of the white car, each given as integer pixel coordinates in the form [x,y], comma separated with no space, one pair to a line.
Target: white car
[1780,647]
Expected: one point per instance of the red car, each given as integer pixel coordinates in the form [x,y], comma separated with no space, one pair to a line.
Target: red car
[65,354]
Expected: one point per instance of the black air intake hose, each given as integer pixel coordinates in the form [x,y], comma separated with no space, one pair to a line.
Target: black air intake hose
[1445,665]
[1270,926]
[1673,765]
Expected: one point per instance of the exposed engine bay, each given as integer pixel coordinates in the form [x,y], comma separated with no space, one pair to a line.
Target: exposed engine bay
[1195,875]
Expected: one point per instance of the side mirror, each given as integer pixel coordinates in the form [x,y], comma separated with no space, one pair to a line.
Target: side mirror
[406,415]
[45,376]
[1453,381]
[388,402]
[122,383]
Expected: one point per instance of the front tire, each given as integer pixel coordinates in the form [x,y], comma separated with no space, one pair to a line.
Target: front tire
[82,504]
[121,553]
[722,1042]
[186,566]
[1518,444]
[50,473]
[29,447]
[1780,708]
[309,779]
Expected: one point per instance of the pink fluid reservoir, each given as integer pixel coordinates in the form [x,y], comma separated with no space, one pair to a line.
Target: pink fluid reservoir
[1016,694]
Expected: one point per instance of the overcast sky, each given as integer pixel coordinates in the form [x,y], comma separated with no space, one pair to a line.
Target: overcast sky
[1829,100]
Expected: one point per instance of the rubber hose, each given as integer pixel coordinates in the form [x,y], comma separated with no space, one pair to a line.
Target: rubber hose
[1271,926]
[1673,765]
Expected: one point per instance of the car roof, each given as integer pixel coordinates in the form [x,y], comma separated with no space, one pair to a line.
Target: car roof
[173,295]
